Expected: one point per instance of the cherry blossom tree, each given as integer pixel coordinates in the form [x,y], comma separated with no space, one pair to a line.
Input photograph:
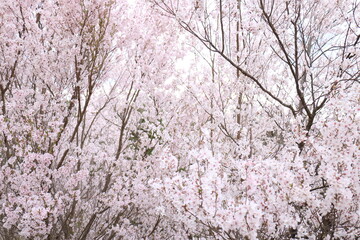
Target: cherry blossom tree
[294,91]
[80,89]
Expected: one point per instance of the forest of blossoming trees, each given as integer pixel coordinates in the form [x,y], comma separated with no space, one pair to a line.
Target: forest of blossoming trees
[179,119]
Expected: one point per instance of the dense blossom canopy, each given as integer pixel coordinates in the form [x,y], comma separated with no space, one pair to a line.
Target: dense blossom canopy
[168,119]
